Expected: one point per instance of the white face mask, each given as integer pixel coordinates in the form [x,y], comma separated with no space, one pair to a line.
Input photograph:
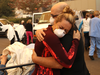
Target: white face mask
[52,21]
[59,32]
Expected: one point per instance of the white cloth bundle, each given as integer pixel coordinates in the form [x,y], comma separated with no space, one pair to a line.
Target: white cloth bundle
[20,54]
[11,33]
[20,30]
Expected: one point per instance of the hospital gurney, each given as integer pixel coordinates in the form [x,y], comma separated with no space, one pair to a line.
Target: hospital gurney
[20,66]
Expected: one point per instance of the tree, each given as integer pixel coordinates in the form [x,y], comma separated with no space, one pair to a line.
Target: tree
[5,8]
[32,5]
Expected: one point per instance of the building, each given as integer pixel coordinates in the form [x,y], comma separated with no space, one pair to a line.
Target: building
[83,4]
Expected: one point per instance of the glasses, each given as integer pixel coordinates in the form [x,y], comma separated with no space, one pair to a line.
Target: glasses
[54,15]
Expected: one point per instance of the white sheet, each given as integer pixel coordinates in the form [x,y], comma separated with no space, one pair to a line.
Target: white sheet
[20,54]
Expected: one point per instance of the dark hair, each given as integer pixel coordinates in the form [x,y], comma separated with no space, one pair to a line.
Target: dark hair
[11,23]
[76,17]
[96,13]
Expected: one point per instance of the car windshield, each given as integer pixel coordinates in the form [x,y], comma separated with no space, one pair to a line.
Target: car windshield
[45,18]
[4,22]
[36,18]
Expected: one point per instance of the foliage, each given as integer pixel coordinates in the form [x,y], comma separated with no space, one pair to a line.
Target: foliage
[17,20]
[32,5]
[5,9]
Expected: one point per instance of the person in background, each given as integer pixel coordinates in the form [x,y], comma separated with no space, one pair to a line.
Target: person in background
[22,22]
[21,31]
[23,39]
[29,28]
[77,21]
[37,20]
[99,14]
[91,15]
[11,33]
[94,34]
[79,66]
[85,24]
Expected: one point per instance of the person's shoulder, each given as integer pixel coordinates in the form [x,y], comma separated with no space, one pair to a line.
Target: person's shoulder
[93,18]
[89,18]
[50,34]
[49,31]
[83,19]
[75,27]
[71,31]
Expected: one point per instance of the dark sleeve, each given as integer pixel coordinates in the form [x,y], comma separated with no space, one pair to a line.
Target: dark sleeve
[53,44]
[1,72]
[39,47]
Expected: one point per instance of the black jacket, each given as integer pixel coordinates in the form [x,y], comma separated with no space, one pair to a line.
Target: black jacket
[79,66]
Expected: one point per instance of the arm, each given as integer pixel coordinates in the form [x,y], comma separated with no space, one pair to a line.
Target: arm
[40,33]
[62,57]
[49,63]
[80,25]
[3,59]
[3,62]
[58,52]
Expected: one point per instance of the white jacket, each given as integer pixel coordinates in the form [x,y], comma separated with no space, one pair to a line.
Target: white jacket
[10,33]
[20,30]
[86,26]
[20,54]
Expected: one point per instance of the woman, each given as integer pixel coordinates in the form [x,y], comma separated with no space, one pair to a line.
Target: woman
[85,22]
[28,27]
[54,48]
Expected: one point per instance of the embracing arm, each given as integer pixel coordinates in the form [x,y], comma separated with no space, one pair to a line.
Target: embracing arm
[51,62]
[66,59]
[40,33]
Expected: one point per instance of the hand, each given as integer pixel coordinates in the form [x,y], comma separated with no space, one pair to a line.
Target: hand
[76,35]
[34,55]
[40,33]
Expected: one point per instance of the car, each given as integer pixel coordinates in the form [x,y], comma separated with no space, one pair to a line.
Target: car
[35,18]
[44,21]
[4,25]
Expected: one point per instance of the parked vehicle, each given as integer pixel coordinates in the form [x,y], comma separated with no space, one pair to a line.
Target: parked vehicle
[44,21]
[4,25]
[35,18]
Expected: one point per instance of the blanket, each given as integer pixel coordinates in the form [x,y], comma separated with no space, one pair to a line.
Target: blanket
[20,54]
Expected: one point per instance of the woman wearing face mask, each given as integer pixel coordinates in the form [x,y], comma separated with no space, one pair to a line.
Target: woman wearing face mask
[51,46]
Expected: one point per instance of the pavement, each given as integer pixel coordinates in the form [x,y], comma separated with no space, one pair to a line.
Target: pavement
[92,65]
[4,42]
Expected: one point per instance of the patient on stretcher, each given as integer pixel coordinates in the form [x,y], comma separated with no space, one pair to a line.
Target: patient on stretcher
[17,54]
